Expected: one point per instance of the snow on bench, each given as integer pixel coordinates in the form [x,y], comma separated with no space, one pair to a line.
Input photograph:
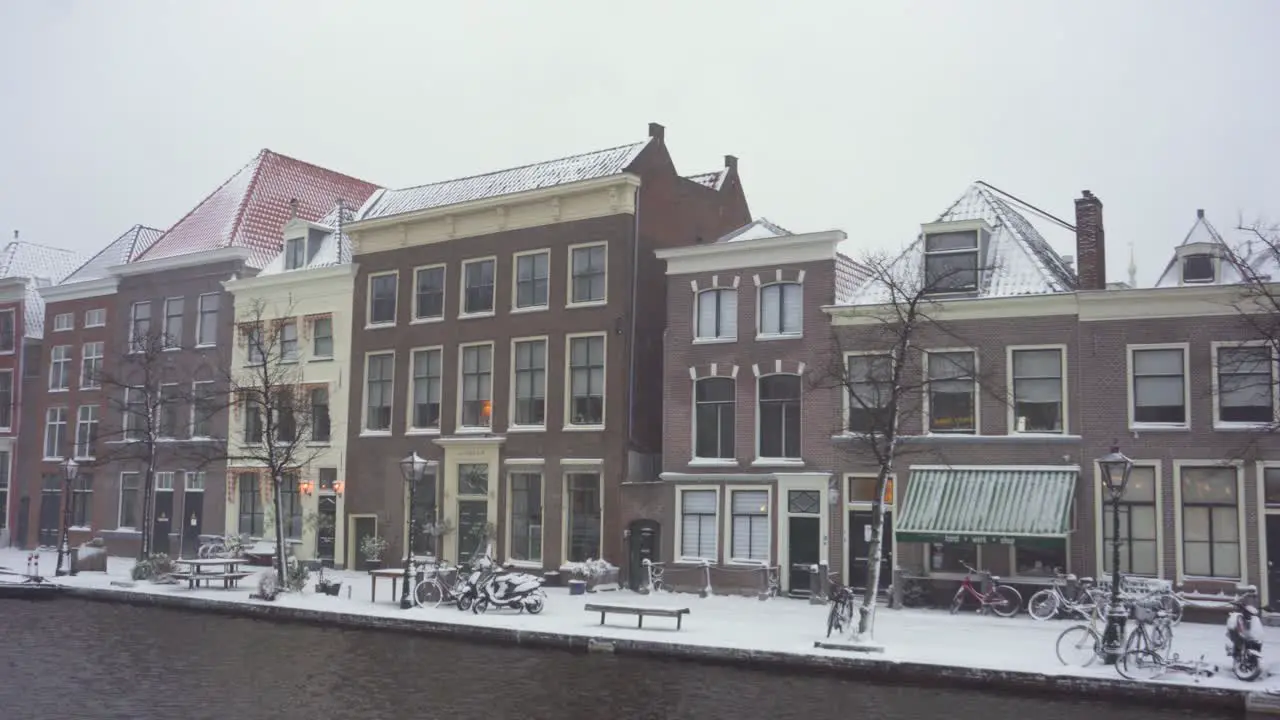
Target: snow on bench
[639,611]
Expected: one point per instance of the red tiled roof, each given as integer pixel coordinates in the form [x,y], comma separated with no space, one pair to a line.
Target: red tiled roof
[251,208]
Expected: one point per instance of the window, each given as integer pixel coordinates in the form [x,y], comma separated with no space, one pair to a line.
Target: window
[6,399]
[207,322]
[91,365]
[252,419]
[328,478]
[1040,559]
[60,367]
[477,377]
[1210,522]
[530,368]
[477,287]
[320,425]
[698,526]
[532,273]
[583,498]
[195,480]
[428,284]
[286,416]
[1271,487]
[289,341]
[870,393]
[255,343]
[781,309]
[1198,269]
[1139,524]
[862,489]
[86,431]
[526,517]
[379,372]
[95,318]
[4,488]
[1037,390]
[586,380]
[1245,385]
[295,253]
[427,370]
[136,414]
[291,506]
[382,298]
[203,406]
[64,321]
[31,360]
[587,270]
[170,412]
[424,513]
[130,499]
[8,328]
[717,314]
[55,432]
[779,421]
[1159,386]
[749,535]
[164,481]
[713,416]
[953,389]
[251,510]
[322,337]
[951,262]
[952,557]
[173,322]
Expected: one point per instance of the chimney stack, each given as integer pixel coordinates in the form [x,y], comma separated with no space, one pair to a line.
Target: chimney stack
[1200,214]
[731,162]
[293,207]
[657,132]
[1091,243]
[15,234]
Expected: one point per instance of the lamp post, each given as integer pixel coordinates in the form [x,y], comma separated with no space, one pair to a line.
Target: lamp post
[1115,469]
[70,468]
[413,468]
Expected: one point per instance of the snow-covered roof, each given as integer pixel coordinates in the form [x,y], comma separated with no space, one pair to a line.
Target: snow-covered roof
[335,248]
[757,229]
[251,208]
[124,249]
[713,180]
[1260,257]
[1022,262]
[42,266]
[576,168]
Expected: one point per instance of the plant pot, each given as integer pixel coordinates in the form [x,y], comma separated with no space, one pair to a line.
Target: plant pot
[329,589]
[577,587]
[373,564]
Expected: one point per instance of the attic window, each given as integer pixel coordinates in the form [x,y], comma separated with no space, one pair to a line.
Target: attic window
[951,261]
[1197,269]
[313,248]
[293,256]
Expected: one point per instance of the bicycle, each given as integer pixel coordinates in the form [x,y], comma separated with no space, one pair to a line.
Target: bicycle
[841,612]
[1053,601]
[1154,630]
[1150,664]
[1003,600]
[433,591]
[223,546]
[1082,644]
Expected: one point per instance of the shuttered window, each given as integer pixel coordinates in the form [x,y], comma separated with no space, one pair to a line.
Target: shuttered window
[749,539]
[698,524]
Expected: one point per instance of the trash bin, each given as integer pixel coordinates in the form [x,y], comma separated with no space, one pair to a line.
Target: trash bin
[577,587]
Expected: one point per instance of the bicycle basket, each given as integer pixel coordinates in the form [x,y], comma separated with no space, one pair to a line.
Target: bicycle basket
[1144,613]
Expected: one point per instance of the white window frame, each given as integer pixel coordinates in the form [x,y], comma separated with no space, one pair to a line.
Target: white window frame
[313,356]
[13,323]
[170,342]
[976,251]
[1218,423]
[410,427]
[568,297]
[568,383]
[760,291]
[542,511]
[200,319]
[515,281]
[91,380]
[97,317]
[462,289]
[195,396]
[297,341]
[770,520]
[493,367]
[163,431]
[128,418]
[133,341]
[678,549]
[512,425]
[295,246]
[64,322]
[698,338]
[697,460]
[1011,418]
[1102,549]
[1241,519]
[364,395]
[48,427]
[846,402]
[570,467]
[1214,265]
[851,505]
[926,415]
[120,499]
[415,318]
[369,323]
[65,363]
[1186,385]
[193,481]
[761,460]
[13,393]
[95,420]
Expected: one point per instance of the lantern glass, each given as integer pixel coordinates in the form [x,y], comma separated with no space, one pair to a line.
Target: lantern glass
[1115,469]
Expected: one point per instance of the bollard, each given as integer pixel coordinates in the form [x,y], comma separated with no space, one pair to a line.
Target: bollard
[896,601]
[818,584]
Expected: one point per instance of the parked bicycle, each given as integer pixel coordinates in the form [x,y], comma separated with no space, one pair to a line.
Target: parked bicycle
[1080,645]
[840,615]
[1003,600]
[223,546]
[1066,596]
[1153,628]
[435,590]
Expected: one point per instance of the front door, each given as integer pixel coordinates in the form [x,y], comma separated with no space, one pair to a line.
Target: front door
[50,520]
[860,527]
[642,544]
[473,516]
[192,522]
[362,527]
[326,529]
[162,522]
[24,521]
[804,538]
[1273,560]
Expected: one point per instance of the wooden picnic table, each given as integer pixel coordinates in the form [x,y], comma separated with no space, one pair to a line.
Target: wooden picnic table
[224,569]
[393,574]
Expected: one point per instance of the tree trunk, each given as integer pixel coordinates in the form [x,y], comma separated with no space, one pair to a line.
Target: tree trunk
[148,496]
[867,613]
[278,505]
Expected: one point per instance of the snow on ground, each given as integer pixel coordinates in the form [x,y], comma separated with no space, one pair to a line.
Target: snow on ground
[777,625]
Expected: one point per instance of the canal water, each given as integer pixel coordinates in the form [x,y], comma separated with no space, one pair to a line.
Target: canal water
[72,659]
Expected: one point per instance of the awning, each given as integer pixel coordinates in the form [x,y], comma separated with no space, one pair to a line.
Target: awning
[987,505]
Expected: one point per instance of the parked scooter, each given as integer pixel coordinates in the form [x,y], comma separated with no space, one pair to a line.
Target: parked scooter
[512,590]
[467,591]
[1244,640]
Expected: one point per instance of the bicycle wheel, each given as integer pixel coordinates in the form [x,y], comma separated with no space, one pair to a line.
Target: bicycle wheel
[1004,601]
[1140,641]
[1140,665]
[1078,646]
[834,618]
[1043,605]
[957,601]
[1173,606]
[427,594]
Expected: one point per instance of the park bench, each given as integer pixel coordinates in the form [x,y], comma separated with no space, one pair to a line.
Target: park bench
[228,579]
[639,612]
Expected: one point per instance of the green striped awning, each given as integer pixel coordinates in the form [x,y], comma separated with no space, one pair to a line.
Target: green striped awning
[987,505]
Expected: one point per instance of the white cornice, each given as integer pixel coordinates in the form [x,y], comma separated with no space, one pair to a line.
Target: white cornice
[195,259]
[964,309]
[13,289]
[289,278]
[80,290]
[761,252]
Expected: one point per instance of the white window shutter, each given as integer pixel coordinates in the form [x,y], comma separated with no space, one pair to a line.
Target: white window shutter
[792,308]
[769,296]
[729,313]
[706,314]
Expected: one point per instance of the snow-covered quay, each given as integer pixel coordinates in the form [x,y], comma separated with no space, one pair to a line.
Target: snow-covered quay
[920,646]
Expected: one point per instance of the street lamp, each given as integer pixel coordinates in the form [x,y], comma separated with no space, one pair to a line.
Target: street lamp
[1115,469]
[413,468]
[70,469]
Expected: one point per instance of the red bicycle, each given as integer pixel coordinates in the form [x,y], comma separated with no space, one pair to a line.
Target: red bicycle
[1003,600]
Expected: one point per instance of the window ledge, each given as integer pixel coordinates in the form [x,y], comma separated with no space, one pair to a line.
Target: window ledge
[125,531]
[379,326]
[320,359]
[291,361]
[698,562]
[777,462]
[375,433]
[712,462]
[79,528]
[1242,427]
[90,387]
[6,352]
[751,564]
[525,564]
[779,336]
[324,444]
[531,308]
[59,390]
[476,316]
[1207,579]
[474,430]
[170,349]
[51,459]
[714,340]
[422,431]
[583,428]
[1032,435]
[586,304]
[205,346]
[526,428]
[1135,427]
[426,320]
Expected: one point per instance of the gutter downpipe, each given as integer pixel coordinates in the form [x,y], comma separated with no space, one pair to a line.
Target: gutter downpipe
[635,294]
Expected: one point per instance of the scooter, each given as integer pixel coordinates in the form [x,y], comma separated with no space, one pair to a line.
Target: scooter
[467,590]
[1244,640]
[512,590]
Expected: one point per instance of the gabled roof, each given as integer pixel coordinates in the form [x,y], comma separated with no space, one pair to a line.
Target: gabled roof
[42,266]
[576,168]
[1022,261]
[1261,259]
[251,208]
[335,248]
[123,250]
[757,229]
[713,180]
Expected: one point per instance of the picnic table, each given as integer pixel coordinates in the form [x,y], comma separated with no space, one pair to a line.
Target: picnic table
[639,612]
[208,570]
[393,574]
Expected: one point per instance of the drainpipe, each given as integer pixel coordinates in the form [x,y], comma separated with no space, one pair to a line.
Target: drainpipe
[635,292]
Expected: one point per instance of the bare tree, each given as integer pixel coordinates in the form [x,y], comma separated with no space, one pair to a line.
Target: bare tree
[884,385]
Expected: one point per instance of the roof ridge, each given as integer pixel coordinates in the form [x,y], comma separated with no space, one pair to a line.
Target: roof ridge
[547,161]
[244,198]
[290,158]
[207,197]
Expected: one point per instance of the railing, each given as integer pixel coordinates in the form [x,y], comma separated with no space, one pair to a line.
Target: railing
[656,574]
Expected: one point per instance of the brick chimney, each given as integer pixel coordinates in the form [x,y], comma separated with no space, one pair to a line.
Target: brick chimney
[657,132]
[731,162]
[1091,243]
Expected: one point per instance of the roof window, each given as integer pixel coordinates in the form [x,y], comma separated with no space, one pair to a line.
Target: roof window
[1198,268]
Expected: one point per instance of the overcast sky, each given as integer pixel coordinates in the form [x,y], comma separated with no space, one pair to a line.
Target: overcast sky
[871,117]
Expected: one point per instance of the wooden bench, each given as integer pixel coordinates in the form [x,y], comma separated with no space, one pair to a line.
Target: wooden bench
[639,612]
[229,579]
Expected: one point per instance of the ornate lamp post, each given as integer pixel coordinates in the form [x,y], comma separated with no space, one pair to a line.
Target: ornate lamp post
[1115,469]
[70,468]
[413,468]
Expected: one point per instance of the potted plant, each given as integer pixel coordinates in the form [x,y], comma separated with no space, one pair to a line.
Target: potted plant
[372,547]
[325,586]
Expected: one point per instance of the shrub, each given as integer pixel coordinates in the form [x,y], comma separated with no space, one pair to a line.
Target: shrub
[297,575]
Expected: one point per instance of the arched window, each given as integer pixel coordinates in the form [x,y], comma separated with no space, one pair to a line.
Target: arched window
[717,314]
[779,424]
[781,309]
[713,422]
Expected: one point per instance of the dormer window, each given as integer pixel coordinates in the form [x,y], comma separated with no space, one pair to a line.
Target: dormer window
[1199,263]
[1198,269]
[294,255]
[951,261]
